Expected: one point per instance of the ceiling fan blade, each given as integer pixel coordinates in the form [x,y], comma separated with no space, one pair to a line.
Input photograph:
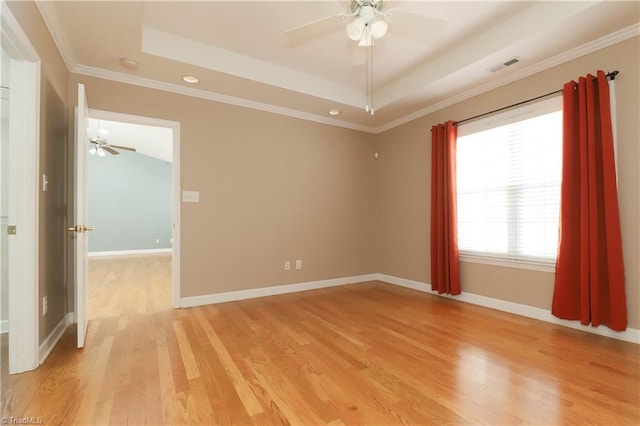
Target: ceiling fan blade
[318,28]
[413,25]
[110,150]
[128,148]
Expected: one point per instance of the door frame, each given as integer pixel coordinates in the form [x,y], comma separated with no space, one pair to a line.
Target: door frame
[24,152]
[175,126]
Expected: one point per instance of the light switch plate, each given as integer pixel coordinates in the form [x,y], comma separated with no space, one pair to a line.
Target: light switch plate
[190,196]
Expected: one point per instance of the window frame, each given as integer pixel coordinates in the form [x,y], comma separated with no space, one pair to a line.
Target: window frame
[521,113]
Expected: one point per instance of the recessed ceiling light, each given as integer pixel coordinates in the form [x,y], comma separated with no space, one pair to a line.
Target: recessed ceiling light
[334,112]
[191,79]
[128,64]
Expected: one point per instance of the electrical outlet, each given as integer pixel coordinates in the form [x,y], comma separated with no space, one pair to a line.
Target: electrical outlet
[157,240]
[45,308]
[287,265]
[298,264]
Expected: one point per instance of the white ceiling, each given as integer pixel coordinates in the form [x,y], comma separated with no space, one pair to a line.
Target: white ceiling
[239,51]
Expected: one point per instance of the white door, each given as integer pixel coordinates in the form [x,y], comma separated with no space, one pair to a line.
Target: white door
[80,227]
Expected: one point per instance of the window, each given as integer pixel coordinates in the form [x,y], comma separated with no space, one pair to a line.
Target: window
[508,185]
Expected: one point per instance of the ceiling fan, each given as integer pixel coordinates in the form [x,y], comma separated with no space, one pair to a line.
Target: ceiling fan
[100,147]
[371,18]
[370,21]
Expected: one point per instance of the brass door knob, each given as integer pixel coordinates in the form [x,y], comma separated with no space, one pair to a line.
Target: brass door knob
[80,228]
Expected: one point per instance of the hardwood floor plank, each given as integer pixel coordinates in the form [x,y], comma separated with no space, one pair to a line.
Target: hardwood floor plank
[248,399]
[188,360]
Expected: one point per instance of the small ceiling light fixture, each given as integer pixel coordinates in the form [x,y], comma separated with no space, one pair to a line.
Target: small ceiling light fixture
[334,112]
[191,79]
[129,64]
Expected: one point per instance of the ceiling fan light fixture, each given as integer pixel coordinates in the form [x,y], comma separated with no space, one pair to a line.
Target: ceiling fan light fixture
[354,29]
[378,29]
[93,150]
[366,40]
[367,12]
[101,152]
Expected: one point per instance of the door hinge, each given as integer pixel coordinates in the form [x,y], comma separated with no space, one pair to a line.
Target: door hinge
[12,230]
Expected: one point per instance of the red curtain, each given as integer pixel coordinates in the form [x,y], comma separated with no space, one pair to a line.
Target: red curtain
[445,273]
[590,283]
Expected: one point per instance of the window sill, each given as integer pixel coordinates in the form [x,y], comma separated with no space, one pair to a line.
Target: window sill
[533,265]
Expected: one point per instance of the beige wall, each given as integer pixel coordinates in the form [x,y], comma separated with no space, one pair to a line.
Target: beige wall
[272,188]
[403,179]
[53,152]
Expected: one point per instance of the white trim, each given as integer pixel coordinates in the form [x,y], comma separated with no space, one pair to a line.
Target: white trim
[4,326]
[175,127]
[129,253]
[53,338]
[51,21]
[24,135]
[177,224]
[630,335]
[208,299]
[532,265]
[14,41]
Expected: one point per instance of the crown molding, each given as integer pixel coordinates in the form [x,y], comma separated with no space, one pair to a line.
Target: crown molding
[212,96]
[52,23]
[601,43]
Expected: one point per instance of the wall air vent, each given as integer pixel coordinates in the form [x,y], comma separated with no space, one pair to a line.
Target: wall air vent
[505,64]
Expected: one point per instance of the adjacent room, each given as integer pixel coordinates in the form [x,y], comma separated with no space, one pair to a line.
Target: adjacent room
[313,212]
[130,249]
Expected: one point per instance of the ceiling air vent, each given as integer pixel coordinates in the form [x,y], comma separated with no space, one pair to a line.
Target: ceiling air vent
[505,64]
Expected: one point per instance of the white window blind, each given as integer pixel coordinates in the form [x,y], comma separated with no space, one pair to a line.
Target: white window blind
[508,183]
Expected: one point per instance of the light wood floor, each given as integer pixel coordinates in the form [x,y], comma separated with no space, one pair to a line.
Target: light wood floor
[129,285]
[371,354]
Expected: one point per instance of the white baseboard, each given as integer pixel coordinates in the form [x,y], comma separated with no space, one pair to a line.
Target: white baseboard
[208,299]
[4,326]
[50,342]
[129,253]
[630,335]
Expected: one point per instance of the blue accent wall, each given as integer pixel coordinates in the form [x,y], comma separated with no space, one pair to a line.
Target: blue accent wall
[130,202]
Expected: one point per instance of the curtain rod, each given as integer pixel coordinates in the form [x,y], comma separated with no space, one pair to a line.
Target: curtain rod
[611,76]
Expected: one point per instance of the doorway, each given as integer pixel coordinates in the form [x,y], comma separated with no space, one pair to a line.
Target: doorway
[133,204]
